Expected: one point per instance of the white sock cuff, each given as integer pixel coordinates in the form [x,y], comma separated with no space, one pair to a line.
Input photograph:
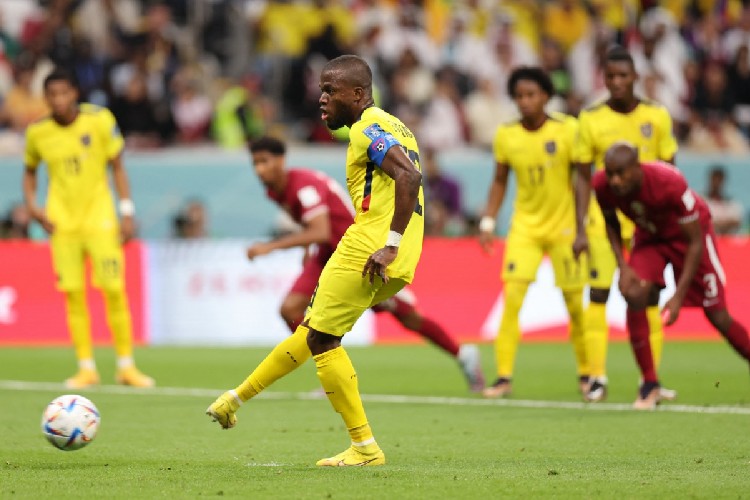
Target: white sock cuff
[125,362]
[236,397]
[86,364]
[365,442]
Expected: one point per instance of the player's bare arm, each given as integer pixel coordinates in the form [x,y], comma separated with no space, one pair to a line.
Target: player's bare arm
[127,209]
[628,277]
[694,236]
[582,197]
[29,195]
[408,179]
[316,230]
[494,201]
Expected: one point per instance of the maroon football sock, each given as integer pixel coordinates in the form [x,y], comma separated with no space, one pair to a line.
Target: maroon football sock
[738,338]
[436,334]
[641,345]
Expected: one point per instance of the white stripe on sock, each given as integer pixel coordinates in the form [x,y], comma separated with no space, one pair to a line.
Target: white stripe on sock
[365,442]
[234,393]
[124,362]
[86,364]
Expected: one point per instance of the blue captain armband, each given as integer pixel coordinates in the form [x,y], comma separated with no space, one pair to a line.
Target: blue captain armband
[380,142]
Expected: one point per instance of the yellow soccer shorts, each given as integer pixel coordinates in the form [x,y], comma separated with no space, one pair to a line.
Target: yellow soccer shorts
[71,252]
[523,255]
[342,295]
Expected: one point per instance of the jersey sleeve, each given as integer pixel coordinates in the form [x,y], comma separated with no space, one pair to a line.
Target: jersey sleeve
[113,141]
[667,141]
[31,157]
[372,139]
[498,147]
[682,200]
[584,144]
[572,131]
[312,200]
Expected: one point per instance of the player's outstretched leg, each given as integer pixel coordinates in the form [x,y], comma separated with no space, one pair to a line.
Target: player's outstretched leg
[79,325]
[731,330]
[401,306]
[120,324]
[289,354]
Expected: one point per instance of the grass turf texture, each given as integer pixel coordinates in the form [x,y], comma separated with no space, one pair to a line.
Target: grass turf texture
[164,446]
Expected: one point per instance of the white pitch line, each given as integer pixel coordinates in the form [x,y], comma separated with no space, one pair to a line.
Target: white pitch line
[20,385]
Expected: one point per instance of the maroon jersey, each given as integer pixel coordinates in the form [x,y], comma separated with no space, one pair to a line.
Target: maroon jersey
[309,193]
[662,203]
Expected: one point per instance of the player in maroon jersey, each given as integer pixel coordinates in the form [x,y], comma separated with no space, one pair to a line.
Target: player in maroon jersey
[673,225]
[323,209]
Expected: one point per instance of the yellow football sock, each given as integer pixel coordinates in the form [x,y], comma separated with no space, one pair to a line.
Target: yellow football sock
[596,333]
[656,335]
[79,324]
[574,304]
[119,322]
[339,380]
[288,355]
[509,334]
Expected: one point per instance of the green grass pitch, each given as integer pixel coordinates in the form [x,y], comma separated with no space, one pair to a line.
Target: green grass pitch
[440,442]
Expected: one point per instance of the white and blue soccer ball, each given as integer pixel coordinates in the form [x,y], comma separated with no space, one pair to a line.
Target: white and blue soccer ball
[70,422]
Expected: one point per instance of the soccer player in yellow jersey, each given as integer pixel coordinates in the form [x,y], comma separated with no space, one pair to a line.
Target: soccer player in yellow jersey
[375,258]
[539,150]
[77,143]
[622,117]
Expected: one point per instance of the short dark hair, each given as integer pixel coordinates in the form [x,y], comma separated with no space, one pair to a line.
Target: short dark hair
[355,69]
[618,53]
[534,74]
[59,75]
[270,144]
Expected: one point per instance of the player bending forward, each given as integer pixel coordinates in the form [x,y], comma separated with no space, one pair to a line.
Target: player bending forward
[673,225]
[376,257]
[322,208]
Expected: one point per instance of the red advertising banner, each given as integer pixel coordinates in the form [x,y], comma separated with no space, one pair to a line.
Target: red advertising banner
[459,286]
[32,311]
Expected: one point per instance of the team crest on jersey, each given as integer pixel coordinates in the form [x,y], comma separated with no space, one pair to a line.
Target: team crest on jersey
[86,140]
[646,130]
[550,147]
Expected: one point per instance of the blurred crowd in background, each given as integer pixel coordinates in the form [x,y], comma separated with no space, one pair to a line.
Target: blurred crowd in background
[180,71]
[216,71]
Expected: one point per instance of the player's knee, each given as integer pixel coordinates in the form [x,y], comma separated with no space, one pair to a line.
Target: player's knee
[291,312]
[115,299]
[599,295]
[75,301]
[636,297]
[320,342]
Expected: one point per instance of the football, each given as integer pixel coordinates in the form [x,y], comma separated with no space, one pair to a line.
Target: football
[70,422]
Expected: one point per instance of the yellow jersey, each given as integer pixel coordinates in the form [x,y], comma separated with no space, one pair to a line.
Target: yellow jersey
[373,194]
[541,160]
[79,200]
[648,127]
